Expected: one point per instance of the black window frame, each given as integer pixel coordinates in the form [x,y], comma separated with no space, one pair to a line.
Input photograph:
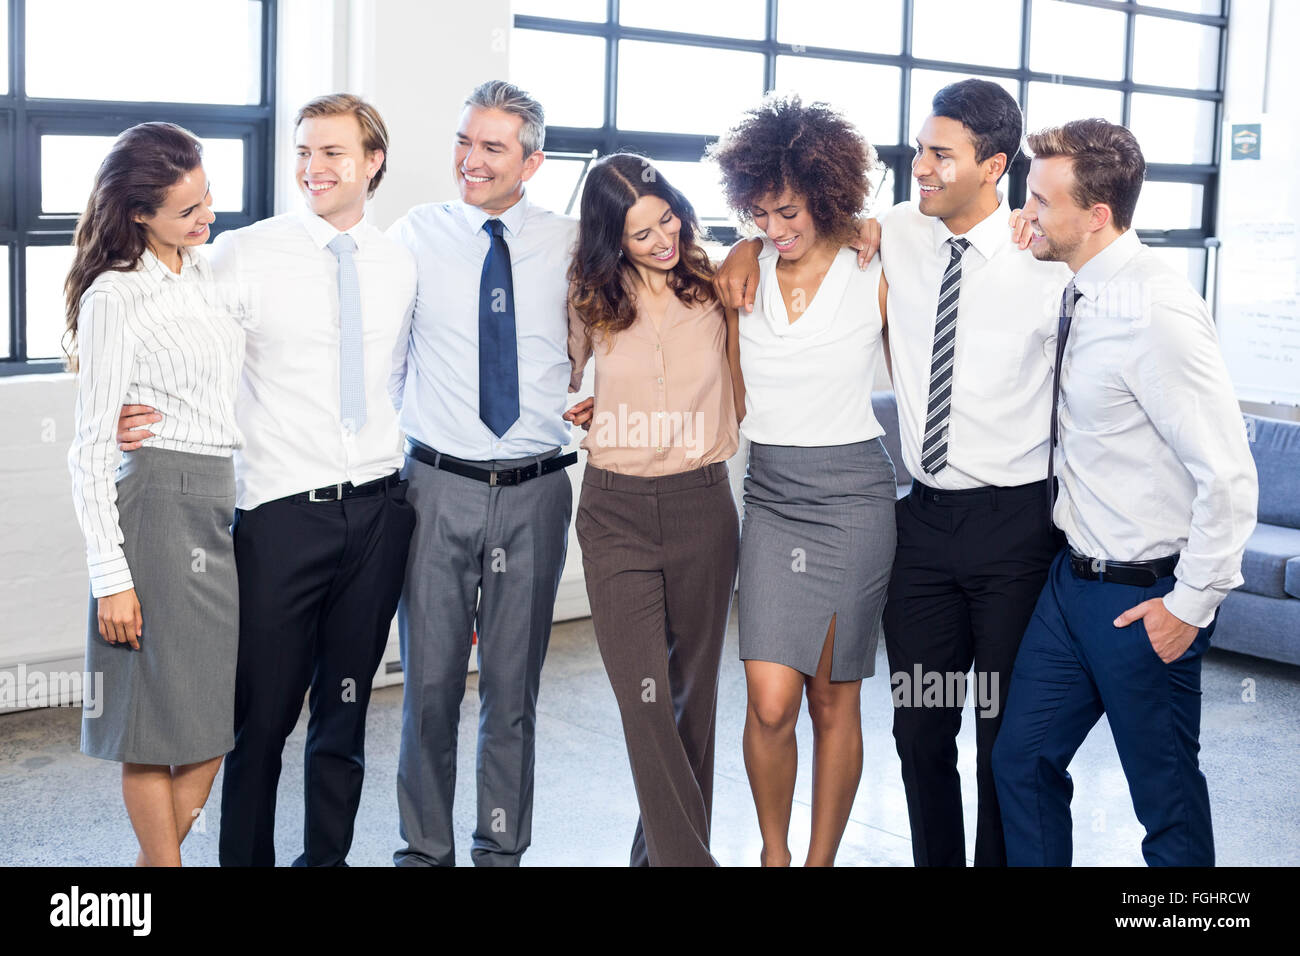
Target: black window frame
[24,119]
[898,156]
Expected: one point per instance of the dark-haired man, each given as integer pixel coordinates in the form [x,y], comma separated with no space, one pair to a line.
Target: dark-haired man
[971,328]
[1157,499]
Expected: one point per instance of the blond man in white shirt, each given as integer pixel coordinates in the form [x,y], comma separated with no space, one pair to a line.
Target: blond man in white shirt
[322,526]
[1157,499]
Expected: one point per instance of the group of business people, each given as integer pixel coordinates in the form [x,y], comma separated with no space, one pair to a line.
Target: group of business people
[266,521]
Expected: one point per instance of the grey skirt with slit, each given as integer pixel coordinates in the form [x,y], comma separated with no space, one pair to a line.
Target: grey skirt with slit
[172,701]
[817,541]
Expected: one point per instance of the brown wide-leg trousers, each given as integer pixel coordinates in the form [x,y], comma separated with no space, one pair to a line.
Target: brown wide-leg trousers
[659,555]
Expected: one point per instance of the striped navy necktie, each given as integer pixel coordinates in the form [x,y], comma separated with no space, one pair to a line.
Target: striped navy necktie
[934,443]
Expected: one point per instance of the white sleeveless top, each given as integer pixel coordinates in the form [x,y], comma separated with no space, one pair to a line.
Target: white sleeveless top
[808,382]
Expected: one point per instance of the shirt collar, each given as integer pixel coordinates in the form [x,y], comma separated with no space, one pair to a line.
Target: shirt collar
[513,218]
[151,265]
[322,233]
[1101,268]
[989,236]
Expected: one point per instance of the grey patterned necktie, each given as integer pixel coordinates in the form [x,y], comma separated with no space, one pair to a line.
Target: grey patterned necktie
[934,444]
[1069,299]
[352,381]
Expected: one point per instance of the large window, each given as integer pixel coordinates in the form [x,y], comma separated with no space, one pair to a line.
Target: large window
[666,77]
[74,74]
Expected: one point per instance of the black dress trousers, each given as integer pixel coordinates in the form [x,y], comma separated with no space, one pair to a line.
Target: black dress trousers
[318,588]
[967,572]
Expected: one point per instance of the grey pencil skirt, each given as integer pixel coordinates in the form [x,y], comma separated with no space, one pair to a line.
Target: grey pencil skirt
[172,701]
[817,541]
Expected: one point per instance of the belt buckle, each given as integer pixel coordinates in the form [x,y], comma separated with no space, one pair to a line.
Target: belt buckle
[1098,567]
[503,478]
[338,492]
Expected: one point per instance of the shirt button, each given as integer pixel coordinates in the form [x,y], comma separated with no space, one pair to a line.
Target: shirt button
[660,380]
[658,346]
[661,414]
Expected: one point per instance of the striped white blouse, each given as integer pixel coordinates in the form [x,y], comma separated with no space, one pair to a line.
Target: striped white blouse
[148,337]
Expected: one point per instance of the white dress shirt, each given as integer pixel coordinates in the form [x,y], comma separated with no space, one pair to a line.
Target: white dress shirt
[285,281]
[440,406]
[148,337]
[1153,457]
[808,382]
[1006,344]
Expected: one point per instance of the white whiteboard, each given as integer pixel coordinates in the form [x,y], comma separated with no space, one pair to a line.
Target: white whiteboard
[1258,311]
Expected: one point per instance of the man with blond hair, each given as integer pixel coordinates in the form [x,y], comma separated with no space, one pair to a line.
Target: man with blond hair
[322,526]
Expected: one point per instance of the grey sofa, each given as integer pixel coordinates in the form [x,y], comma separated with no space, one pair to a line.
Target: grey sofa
[1262,617]
[886,410]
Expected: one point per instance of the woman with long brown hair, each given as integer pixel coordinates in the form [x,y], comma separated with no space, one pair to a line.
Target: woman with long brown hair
[144,327]
[656,520]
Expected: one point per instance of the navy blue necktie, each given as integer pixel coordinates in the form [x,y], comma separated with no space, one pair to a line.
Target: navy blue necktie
[498,355]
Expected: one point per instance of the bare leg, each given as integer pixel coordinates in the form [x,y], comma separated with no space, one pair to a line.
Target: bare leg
[837,755]
[771,752]
[147,792]
[191,784]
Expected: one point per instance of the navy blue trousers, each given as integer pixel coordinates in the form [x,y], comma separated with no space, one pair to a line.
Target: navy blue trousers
[1073,666]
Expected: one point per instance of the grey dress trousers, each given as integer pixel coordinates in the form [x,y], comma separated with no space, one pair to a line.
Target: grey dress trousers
[172,701]
[659,556]
[486,557]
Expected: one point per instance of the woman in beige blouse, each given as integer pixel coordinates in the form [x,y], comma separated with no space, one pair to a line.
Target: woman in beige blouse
[656,520]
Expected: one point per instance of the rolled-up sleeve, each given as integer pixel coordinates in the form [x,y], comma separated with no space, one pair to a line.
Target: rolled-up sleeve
[579,348]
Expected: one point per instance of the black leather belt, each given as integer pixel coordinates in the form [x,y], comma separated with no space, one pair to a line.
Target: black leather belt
[347,489]
[1142,574]
[495,478]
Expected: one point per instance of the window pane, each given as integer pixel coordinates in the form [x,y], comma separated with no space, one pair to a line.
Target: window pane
[171,51]
[867,94]
[589,10]
[47,267]
[870,27]
[69,163]
[1052,104]
[553,183]
[1211,7]
[4,57]
[659,87]
[1173,129]
[1163,205]
[564,72]
[926,83]
[4,301]
[986,32]
[1186,262]
[1053,46]
[701,184]
[736,18]
[1175,53]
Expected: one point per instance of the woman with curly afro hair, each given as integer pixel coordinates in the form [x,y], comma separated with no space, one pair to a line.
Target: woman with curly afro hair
[656,521]
[817,540]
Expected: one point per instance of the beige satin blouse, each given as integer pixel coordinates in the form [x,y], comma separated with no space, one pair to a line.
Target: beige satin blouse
[664,401]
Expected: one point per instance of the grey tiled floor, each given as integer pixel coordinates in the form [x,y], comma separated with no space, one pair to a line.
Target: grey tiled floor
[59,807]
